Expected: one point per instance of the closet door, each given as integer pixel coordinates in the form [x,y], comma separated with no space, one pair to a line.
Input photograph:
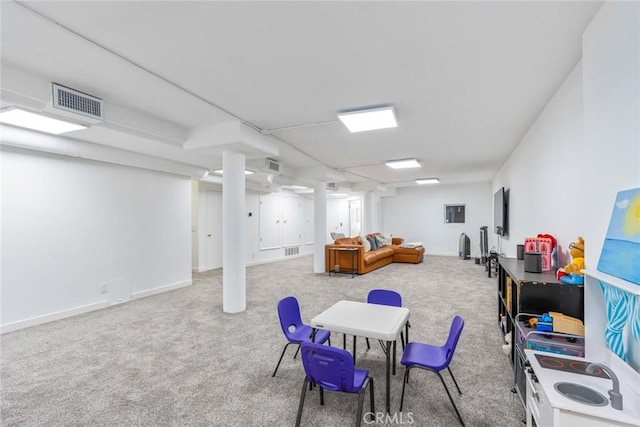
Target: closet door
[291,209]
[270,222]
[211,233]
[308,221]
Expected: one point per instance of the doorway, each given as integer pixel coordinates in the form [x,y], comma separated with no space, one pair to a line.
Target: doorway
[355,217]
[211,231]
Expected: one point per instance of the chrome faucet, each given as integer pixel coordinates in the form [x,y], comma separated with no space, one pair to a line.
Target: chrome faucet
[614,394]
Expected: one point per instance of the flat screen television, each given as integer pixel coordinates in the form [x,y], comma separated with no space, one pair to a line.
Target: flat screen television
[501,212]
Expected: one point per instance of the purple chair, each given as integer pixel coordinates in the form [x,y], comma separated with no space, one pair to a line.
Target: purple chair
[294,330]
[332,368]
[387,297]
[433,358]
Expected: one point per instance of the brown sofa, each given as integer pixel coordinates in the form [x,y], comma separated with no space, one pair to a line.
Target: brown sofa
[368,261]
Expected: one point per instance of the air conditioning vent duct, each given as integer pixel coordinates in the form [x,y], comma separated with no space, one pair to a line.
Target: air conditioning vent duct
[76,105]
[271,166]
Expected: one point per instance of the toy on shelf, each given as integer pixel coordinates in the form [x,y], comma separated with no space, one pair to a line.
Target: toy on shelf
[544,244]
[566,324]
[572,273]
[544,323]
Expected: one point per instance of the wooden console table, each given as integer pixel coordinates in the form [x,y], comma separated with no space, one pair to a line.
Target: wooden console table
[355,260]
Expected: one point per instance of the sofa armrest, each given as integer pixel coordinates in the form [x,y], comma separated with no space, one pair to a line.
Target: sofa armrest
[397,240]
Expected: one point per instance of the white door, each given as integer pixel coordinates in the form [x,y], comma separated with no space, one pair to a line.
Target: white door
[308,221]
[355,217]
[212,230]
[270,222]
[291,212]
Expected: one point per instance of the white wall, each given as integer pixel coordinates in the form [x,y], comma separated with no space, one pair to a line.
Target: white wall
[417,215]
[69,226]
[545,174]
[588,139]
[611,76]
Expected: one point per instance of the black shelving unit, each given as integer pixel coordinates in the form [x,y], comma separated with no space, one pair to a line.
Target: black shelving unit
[531,293]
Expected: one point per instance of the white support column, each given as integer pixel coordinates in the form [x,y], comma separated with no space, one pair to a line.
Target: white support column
[234,298]
[371,212]
[367,214]
[319,224]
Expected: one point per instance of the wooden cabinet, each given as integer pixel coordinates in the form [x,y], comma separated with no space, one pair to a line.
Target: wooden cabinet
[535,293]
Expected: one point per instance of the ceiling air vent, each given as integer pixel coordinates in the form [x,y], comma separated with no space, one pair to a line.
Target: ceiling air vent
[76,102]
[271,166]
[332,186]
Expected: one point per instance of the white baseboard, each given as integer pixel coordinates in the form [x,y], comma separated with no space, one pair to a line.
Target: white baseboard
[161,289]
[38,320]
[282,258]
[11,327]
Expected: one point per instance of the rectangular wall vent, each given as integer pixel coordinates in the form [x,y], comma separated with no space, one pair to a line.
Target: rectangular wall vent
[294,250]
[272,166]
[74,101]
[332,186]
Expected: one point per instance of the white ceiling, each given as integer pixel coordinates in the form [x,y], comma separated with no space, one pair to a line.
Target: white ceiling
[467,78]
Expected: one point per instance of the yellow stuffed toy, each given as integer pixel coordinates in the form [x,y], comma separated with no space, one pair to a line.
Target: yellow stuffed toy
[575,267]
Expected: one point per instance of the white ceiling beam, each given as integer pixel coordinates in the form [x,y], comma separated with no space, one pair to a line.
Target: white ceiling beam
[233,136]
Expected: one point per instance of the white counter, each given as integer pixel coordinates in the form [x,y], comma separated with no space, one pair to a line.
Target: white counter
[629,415]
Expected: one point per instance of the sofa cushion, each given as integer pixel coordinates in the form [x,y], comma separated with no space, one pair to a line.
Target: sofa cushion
[382,240]
[373,243]
[335,236]
[366,244]
[370,257]
[386,251]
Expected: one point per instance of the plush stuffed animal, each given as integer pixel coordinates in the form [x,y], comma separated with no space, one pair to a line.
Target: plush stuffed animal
[575,267]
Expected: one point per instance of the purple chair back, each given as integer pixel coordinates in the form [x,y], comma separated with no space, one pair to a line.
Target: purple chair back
[384,297]
[454,335]
[331,368]
[289,314]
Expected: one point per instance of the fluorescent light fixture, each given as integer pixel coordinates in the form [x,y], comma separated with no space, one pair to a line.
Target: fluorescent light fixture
[423,181]
[403,164]
[294,187]
[338,194]
[372,119]
[25,119]
[246,172]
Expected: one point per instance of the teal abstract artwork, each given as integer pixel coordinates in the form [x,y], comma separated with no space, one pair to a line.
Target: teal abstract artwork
[620,254]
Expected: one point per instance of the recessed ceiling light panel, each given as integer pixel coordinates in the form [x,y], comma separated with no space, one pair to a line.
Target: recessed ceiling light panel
[403,164]
[423,181]
[246,172]
[26,119]
[371,119]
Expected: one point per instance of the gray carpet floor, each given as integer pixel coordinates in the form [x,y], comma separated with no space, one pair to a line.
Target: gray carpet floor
[176,359]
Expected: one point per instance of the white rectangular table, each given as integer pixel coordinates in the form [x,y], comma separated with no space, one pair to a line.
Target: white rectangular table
[381,322]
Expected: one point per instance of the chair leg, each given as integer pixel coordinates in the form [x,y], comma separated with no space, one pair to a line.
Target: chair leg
[371,394]
[404,382]
[281,356]
[360,404]
[402,339]
[302,396]
[321,395]
[368,346]
[450,398]
[354,349]
[344,341]
[454,380]
[297,351]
